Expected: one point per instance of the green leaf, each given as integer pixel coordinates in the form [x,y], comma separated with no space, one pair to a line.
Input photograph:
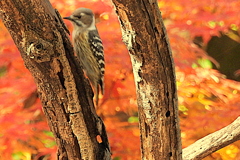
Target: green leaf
[133,119]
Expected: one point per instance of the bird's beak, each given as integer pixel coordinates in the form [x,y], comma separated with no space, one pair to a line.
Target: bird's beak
[68,18]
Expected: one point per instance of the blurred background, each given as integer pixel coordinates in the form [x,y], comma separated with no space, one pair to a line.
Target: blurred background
[205,41]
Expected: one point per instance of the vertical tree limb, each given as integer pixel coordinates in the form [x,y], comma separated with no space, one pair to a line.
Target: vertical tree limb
[66,96]
[146,39]
[145,36]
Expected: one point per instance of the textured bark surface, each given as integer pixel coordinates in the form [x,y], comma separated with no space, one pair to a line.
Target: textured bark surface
[213,142]
[147,42]
[66,96]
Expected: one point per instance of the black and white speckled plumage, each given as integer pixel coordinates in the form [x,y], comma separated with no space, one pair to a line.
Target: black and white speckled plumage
[97,48]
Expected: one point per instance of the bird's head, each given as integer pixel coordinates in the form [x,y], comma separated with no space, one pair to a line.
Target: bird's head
[82,19]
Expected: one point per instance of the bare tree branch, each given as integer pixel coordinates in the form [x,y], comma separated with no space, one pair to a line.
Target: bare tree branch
[213,142]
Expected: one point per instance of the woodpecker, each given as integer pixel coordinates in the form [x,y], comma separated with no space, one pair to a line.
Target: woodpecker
[88,47]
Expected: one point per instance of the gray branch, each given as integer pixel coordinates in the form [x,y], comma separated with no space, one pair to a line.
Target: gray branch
[213,142]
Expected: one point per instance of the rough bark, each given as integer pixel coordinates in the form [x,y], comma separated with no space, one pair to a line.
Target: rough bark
[66,96]
[213,142]
[145,36]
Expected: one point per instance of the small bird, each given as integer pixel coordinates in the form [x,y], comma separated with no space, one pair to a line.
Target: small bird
[88,47]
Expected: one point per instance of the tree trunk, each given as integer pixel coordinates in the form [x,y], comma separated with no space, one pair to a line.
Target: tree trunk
[145,36]
[66,96]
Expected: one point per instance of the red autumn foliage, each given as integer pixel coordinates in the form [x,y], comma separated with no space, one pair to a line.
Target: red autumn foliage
[207,100]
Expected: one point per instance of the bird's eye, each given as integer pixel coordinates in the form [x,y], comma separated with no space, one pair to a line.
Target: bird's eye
[79,17]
